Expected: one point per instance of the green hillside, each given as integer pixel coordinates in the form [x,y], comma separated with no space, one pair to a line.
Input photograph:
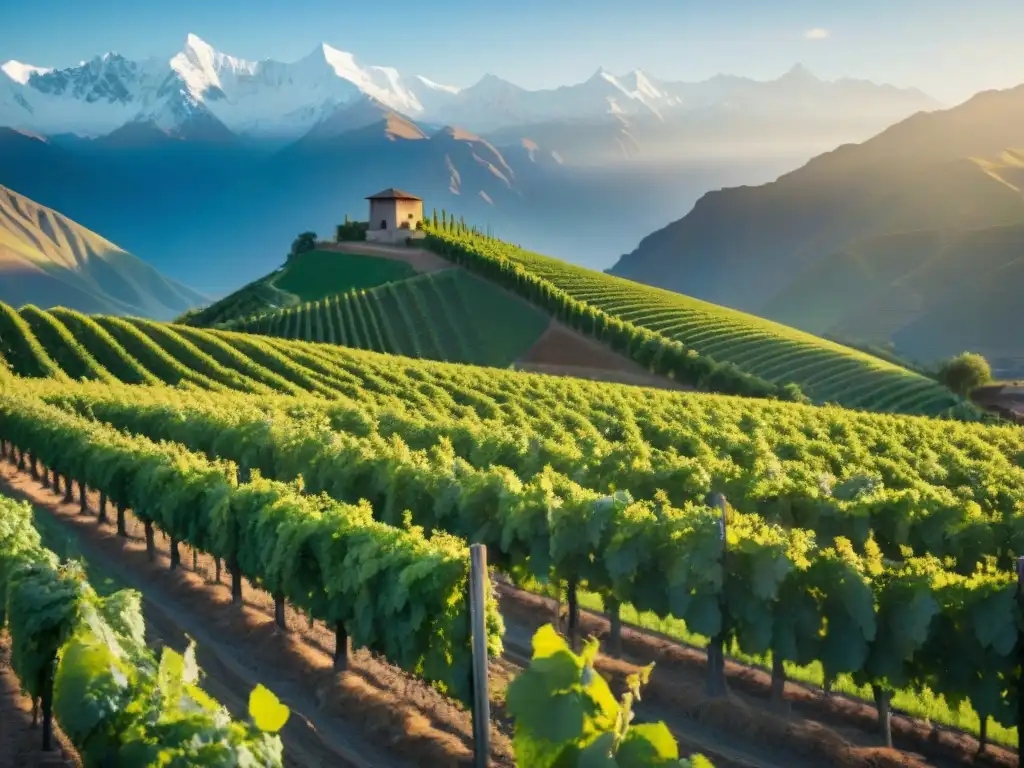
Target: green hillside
[752,346]
[881,242]
[936,293]
[446,315]
[602,482]
[305,277]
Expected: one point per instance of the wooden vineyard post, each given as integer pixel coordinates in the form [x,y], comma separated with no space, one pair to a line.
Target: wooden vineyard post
[716,648]
[279,618]
[342,647]
[83,509]
[236,580]
[884,714]
[481,703]
[574,616]
[614,610]
[69,489]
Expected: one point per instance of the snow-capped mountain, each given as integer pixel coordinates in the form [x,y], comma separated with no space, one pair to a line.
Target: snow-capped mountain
[201,91]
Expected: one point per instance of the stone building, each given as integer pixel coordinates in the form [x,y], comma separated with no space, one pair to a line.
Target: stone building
[394,216]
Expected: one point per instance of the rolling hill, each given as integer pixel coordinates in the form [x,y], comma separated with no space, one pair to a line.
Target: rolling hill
[48,260]
[459,309]
[912,237]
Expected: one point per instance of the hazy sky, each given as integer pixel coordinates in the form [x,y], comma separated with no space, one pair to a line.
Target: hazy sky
[949,48]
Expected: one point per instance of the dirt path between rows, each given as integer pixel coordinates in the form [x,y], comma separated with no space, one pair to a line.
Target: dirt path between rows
[372,715]
[376,715]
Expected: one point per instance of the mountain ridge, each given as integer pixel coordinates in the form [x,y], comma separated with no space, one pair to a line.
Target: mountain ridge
[854,235]
[273,99]
[48,260]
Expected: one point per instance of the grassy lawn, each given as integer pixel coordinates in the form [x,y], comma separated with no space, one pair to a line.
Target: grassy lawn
[924,706]
[314,275]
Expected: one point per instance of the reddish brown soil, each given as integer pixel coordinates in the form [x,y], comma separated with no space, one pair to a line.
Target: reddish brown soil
[826,730]
[376,715]
[561,351]
[372,715]
[20,741]
[418,258]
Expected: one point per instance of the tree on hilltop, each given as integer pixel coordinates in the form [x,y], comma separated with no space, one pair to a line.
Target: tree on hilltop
[304,243]
[965,372]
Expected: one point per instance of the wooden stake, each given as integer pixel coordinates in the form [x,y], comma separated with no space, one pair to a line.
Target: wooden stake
[481,705]
[614,608]
[884,715]
[236,582]
[150,543]
[574,617]
[342,648]
[279,618]
[778,698]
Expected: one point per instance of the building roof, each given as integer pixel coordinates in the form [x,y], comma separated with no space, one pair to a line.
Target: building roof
[394,194]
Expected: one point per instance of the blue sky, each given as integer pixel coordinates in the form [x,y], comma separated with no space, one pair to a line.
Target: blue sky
[947,47]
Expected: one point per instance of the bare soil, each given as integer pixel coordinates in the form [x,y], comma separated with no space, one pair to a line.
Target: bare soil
[372,715]
[419,259]
[20,741]
[376,715]
[562,351]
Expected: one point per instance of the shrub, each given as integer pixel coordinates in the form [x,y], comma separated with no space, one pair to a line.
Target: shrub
[965,372]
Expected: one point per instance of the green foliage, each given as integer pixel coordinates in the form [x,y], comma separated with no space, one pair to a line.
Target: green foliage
[448,315]
[304,243]
[818,566]
[351,231]
[566,716]
[396,591]
[965,372]
[692,341]
[116,703]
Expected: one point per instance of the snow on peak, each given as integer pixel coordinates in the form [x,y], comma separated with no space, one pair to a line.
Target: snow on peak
[22,73]
[437,86]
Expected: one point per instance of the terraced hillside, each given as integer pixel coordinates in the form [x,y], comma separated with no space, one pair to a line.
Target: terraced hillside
[305,277]
[604,483]
[448,315]
[770,354]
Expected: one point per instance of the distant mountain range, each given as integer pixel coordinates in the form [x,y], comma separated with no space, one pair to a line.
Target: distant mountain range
[203,93]
[914,238]
[48,260]
[208,165]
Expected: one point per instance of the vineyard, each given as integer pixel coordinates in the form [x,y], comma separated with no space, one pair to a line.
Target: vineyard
[85,657]
[306,277]
[745,355]
[448,315]
[877,548]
